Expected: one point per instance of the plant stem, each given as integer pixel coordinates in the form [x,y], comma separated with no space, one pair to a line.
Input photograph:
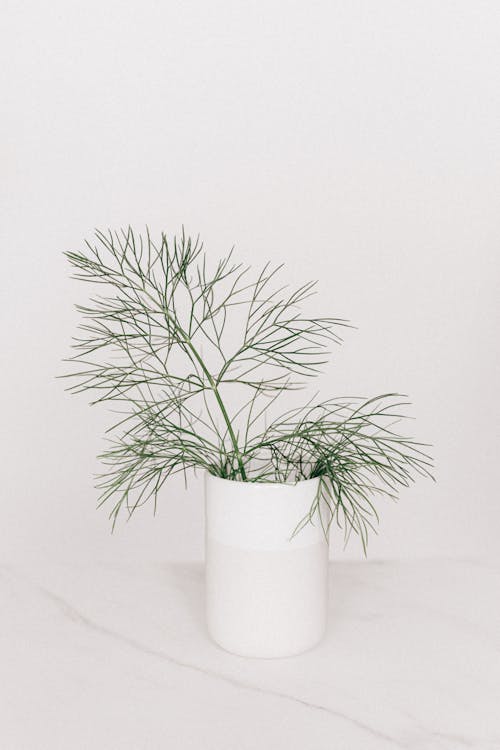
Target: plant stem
[212,383]
[213,386]
[217,395]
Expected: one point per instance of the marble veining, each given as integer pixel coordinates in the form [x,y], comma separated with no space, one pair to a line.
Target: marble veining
[109,656]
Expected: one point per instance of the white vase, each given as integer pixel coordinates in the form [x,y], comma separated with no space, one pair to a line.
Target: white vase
[266,594]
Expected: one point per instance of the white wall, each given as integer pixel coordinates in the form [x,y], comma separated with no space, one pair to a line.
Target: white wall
[357,141]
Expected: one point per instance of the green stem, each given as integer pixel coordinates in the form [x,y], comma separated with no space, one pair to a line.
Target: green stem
[217,395]
[213,386]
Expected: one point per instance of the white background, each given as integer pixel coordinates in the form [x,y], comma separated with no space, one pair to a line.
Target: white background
[357,141]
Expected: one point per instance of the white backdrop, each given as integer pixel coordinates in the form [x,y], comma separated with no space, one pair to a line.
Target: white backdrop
[358,142]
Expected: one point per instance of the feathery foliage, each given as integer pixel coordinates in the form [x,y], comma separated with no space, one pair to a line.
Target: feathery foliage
[159,341]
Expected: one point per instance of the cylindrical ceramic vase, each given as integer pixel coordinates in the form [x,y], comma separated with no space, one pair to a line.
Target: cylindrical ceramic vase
[266,594]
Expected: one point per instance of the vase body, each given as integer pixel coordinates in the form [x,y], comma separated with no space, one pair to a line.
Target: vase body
[266,594]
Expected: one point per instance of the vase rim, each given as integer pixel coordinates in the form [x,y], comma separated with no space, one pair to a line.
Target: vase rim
[265,483]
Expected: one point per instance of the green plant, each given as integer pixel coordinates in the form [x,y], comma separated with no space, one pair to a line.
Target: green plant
[160,341]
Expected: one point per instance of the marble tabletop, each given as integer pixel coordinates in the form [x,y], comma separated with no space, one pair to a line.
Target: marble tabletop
[104,657]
